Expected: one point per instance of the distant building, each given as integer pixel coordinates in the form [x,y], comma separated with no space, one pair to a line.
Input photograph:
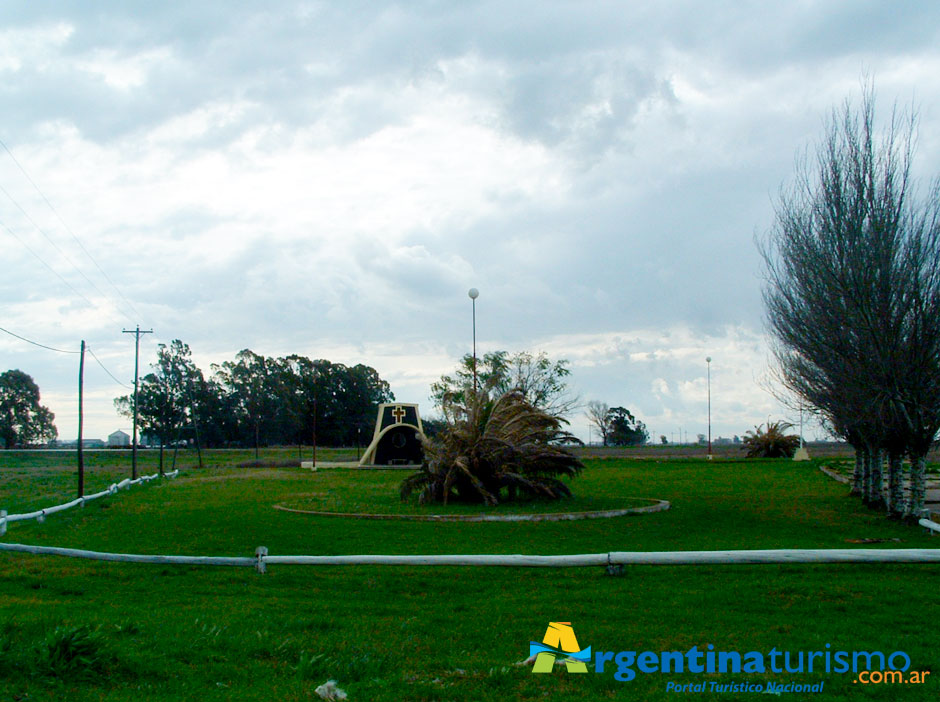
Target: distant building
[118,439]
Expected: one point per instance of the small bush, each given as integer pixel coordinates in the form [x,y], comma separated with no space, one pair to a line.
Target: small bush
[772,442]
[78,652]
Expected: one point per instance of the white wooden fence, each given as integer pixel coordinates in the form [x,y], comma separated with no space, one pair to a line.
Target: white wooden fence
[930,526]
[610,560]
[41,514]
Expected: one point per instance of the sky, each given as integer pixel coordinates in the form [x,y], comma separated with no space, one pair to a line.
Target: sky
[330,178]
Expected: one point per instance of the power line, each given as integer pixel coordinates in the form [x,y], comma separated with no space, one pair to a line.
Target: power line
[88,348]
[43,262]
[36,343]
[67,228]
[55,246]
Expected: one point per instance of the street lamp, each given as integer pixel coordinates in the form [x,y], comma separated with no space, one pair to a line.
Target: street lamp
[708,366]
[474,294]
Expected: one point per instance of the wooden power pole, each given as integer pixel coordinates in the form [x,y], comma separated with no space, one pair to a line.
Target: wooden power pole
[137,332]
[81,457]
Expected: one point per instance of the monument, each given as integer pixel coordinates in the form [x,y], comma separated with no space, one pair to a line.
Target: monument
[397,439]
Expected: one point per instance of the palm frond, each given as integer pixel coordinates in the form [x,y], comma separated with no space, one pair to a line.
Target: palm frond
[494,442]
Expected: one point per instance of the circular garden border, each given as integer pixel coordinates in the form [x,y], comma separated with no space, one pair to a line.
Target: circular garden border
[657,506]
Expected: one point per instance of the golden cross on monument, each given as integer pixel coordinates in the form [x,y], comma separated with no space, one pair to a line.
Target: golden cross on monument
[399,414]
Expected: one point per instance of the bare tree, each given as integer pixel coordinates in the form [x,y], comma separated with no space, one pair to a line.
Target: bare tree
[596,414]
[853,296]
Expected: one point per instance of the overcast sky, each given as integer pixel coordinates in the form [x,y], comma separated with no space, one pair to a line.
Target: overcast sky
[330,178]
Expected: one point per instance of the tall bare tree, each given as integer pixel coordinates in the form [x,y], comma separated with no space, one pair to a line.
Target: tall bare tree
[596,414]
[853,295]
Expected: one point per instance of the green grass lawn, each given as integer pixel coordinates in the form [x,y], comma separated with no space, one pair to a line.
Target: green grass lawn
[81,630]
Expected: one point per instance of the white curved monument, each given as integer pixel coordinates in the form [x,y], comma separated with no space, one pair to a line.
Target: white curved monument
[397,439]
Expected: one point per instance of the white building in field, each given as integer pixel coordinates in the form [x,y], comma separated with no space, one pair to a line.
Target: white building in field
[118,439]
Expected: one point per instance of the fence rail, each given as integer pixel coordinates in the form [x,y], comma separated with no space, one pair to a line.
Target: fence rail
[41,514]
[611,559]
[929,526]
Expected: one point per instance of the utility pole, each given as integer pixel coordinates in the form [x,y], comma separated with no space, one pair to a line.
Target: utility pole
[137,332]
[708,365]
[81,457]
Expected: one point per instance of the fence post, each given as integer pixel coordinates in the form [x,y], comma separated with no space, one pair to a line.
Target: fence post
[260,554]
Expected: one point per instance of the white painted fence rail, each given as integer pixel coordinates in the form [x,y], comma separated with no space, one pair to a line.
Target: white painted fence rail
[611,559]
[41,514]
[929,525]
[128,557]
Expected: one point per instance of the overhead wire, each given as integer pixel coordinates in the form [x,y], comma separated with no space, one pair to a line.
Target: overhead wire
[56,247]
[68,229]
[36,343]
[125,385]
[43,262]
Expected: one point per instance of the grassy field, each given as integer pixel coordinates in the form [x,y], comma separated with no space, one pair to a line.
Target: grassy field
[80,630]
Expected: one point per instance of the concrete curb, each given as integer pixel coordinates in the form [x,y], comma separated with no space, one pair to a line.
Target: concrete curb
[934,514]
[835,476]
[658,506]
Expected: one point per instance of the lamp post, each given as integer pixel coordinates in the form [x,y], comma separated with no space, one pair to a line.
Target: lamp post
[708,367]
[473,293]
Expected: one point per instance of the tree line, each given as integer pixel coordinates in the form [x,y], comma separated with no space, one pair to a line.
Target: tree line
[255,401]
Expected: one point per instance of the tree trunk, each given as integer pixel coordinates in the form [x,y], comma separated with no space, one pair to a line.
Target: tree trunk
[895,487]
[916,508]
[866,474]
[876,498]
[858,477]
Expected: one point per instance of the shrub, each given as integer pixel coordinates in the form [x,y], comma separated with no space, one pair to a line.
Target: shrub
[73,653]
[493,444]
[772,442]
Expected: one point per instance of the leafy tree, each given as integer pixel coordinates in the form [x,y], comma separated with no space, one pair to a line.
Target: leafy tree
[541,381]
[23,421]
[167,397]
[342,401]
[433,426]
[254,384]
[624,429]
[771,442]
[495,446]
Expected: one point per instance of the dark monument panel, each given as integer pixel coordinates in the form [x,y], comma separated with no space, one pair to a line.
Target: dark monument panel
[399,446]
[397,414]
